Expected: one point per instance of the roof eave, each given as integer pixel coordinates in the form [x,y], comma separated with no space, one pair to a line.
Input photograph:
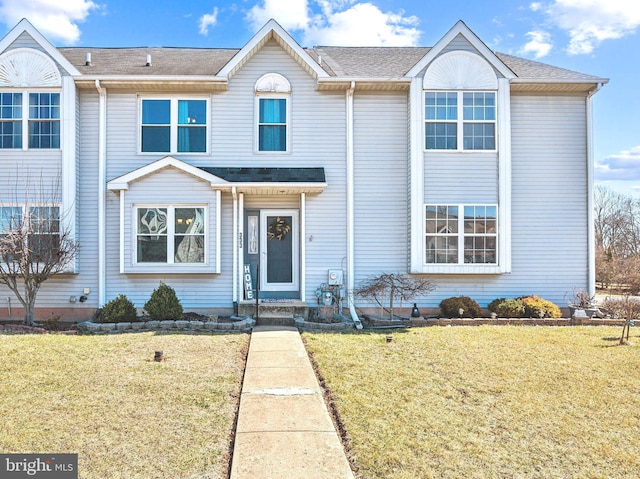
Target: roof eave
[155,82]
[364,83]
[562,85]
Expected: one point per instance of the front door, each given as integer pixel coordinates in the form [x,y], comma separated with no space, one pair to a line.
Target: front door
[279,268]
[272,252]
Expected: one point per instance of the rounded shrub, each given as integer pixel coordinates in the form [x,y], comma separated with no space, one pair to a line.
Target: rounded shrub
[449,308]
[163,304]
[119,310]
[533,305]
[507,307]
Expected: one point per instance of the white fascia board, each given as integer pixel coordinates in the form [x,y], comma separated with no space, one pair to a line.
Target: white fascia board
[271,28]
[25,26]
[122,182]
[461,28]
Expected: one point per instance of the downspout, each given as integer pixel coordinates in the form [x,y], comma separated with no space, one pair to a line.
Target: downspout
[591,247]
[235,242]
[351,207]
[102,181]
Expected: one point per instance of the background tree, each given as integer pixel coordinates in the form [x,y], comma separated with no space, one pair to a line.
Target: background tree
[35,241]
[617,234]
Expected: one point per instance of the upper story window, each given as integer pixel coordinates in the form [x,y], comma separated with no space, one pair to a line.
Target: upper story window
[39,129]
[273,93]
[173,125]
[460,120]
[460,111]
[461,234]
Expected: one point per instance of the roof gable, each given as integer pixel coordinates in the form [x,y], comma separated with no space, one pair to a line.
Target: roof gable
[122,182]
[273,31]
[461,29]
[24,26]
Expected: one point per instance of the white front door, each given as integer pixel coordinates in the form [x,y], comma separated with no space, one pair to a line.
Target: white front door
[279,250]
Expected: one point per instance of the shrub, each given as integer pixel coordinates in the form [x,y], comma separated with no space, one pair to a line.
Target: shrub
[118,310]
[449,307]
[163,304]
[533,305]
[507,307]
[524,307]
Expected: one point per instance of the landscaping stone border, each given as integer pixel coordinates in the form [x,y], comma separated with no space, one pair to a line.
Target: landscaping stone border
[236,325]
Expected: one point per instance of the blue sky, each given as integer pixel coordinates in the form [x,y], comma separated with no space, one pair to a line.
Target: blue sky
[591,36]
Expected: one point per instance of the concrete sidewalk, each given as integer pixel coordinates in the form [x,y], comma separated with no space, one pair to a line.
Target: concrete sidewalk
[284,430]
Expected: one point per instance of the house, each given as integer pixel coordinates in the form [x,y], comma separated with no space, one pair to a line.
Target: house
[287,168]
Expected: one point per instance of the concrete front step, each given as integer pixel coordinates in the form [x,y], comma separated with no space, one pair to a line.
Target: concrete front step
[274,318]
[274,313]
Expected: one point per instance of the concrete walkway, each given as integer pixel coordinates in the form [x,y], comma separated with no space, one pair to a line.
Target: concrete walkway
[284,430]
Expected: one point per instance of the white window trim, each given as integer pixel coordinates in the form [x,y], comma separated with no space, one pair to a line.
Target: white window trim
[461,267]
[256,122]
[173,127]
[26,119]
[170,265]
[460,122]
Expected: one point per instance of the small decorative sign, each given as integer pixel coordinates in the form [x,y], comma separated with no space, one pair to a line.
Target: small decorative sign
[248,282]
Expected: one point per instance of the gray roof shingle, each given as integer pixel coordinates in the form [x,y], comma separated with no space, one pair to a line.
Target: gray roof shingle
[268,175]
[349,62]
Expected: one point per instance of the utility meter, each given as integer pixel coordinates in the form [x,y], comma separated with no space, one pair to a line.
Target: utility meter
[335,277]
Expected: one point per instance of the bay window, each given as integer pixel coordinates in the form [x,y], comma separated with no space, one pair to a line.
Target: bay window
[461,234]
[170,234]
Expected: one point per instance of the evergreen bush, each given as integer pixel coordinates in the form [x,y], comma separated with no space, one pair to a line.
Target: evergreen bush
[118,310]
[163,304]
[533,305]
[449,308]
[524,307]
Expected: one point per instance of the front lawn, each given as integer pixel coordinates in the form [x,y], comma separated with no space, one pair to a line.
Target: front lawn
[127,416]
[486,402]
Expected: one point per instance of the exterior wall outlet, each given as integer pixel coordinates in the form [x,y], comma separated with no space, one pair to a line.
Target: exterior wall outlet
[86,291]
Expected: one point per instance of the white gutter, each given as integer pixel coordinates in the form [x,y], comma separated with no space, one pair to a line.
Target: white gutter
[102,181]
[350,208]
[591,247]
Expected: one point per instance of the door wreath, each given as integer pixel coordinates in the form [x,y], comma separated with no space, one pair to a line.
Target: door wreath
[278,229]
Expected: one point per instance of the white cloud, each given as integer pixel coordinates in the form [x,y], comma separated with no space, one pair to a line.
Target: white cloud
[623,166]
[590,22]
[364,24]
[539,44]
[208,20]
[55,19]
[342,22]
[290,14]
[535,6]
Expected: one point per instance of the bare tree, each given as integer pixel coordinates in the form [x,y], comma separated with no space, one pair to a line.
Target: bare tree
[35,241]
[617,230]
[392,287]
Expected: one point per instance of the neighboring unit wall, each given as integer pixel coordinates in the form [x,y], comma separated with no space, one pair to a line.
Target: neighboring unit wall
[549,208]
[381,182]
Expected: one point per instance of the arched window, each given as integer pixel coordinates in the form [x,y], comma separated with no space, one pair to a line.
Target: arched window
[460,102]
[273,94]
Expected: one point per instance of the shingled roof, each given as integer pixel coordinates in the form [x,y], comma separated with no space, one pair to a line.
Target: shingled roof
[347,62]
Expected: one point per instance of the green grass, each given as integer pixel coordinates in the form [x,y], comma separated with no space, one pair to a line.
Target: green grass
[486,402]
[126,416]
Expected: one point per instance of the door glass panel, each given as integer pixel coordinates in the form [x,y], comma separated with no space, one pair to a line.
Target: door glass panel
[279,249]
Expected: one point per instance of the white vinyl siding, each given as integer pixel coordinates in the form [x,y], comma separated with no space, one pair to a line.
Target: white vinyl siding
[381,182]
